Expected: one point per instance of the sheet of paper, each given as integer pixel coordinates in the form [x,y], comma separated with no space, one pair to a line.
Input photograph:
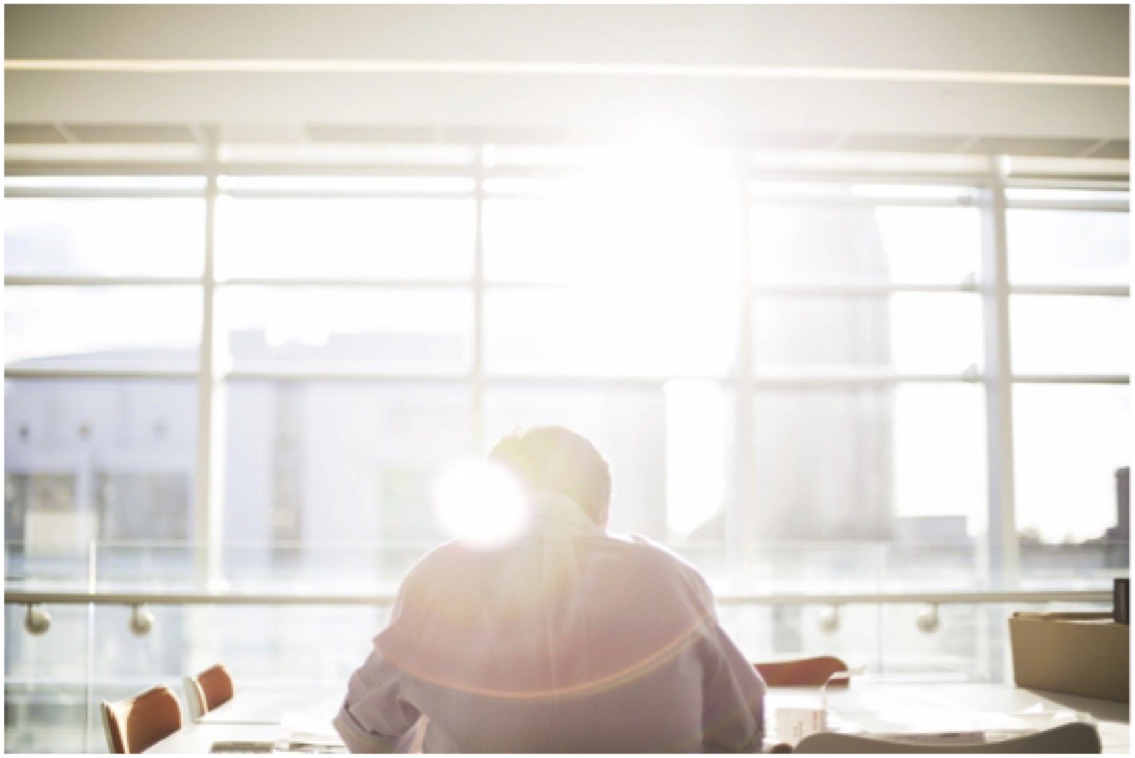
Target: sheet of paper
[922,721]
[312,731]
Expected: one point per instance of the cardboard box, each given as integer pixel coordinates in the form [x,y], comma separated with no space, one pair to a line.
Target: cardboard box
[1084,654]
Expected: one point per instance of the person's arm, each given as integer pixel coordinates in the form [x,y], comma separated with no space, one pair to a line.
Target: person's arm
[374,718]
[733,717]
[732,698]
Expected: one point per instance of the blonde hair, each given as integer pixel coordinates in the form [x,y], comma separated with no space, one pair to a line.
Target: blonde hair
[558,459]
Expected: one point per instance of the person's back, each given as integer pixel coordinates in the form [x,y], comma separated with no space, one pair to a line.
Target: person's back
[566,640]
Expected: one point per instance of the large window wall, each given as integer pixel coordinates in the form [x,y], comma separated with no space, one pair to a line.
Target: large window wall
[764,357]
[250,376]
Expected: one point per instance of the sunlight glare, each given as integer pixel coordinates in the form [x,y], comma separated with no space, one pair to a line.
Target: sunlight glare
[653,213]
[695,455]
[480,503]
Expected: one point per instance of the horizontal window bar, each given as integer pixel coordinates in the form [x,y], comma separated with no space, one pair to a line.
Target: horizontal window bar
[787,201]
[95,372]
[815,172]
[64,280]
[1100,290]
[345,194]
[306,373]
[1061,205]
[1072,378]
[128,183]
[144,167]
[28,597]
[254,281]
[1102,184]
[100,192]
[772,288]
[854,288]
[844,377]
[758,199]
[337,374]
[643,382]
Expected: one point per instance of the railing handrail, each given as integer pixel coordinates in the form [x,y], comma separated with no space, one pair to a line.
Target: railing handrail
[946,597]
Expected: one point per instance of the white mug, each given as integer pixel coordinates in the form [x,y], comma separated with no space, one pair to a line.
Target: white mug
[794,724]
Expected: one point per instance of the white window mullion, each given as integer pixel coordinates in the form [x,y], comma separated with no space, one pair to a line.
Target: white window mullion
[210,414]
[478,368]
[1003,559]
[741,519]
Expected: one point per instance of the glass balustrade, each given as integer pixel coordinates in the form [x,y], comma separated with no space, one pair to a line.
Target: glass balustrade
[779,601]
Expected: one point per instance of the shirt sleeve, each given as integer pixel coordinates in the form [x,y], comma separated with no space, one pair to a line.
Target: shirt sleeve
[374,718]
[733,693]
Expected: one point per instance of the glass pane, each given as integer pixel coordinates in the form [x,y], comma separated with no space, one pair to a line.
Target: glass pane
[1061,334]
[103,326]
[1074,247]
[104,236]
[655,226]
[399,330]
[1069,442]
[969,644]
[903,331]
[345,238]
[877,463]
[308,652]
[328,483]
[626,332]
[45,695]
[882,243]
[85,460]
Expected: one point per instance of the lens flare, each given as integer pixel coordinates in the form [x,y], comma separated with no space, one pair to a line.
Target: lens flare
[481,504]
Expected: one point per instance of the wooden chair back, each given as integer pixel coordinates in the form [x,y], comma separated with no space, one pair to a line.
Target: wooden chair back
[138,723]
[209,689]
[1075,737]
[802,672]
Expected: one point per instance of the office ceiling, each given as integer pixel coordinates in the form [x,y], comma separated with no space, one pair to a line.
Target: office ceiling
[1036,80]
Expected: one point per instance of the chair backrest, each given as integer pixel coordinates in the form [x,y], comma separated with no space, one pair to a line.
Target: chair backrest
[137,723]
[802,672]
[1075,737]
[209,689]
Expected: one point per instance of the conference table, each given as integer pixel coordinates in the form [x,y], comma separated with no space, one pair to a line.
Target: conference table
[867,705]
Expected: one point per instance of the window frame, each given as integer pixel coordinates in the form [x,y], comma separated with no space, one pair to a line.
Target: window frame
[993,191]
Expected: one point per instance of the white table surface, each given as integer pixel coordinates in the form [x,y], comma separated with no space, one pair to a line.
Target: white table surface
[269,706]
[199,738]
[896,707]
[867,705]
[253,716]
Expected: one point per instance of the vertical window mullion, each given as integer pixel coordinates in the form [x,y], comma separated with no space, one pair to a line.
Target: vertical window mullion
[478,368]
[741,519]
[1002,558]
[1001,549]
[208,492]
